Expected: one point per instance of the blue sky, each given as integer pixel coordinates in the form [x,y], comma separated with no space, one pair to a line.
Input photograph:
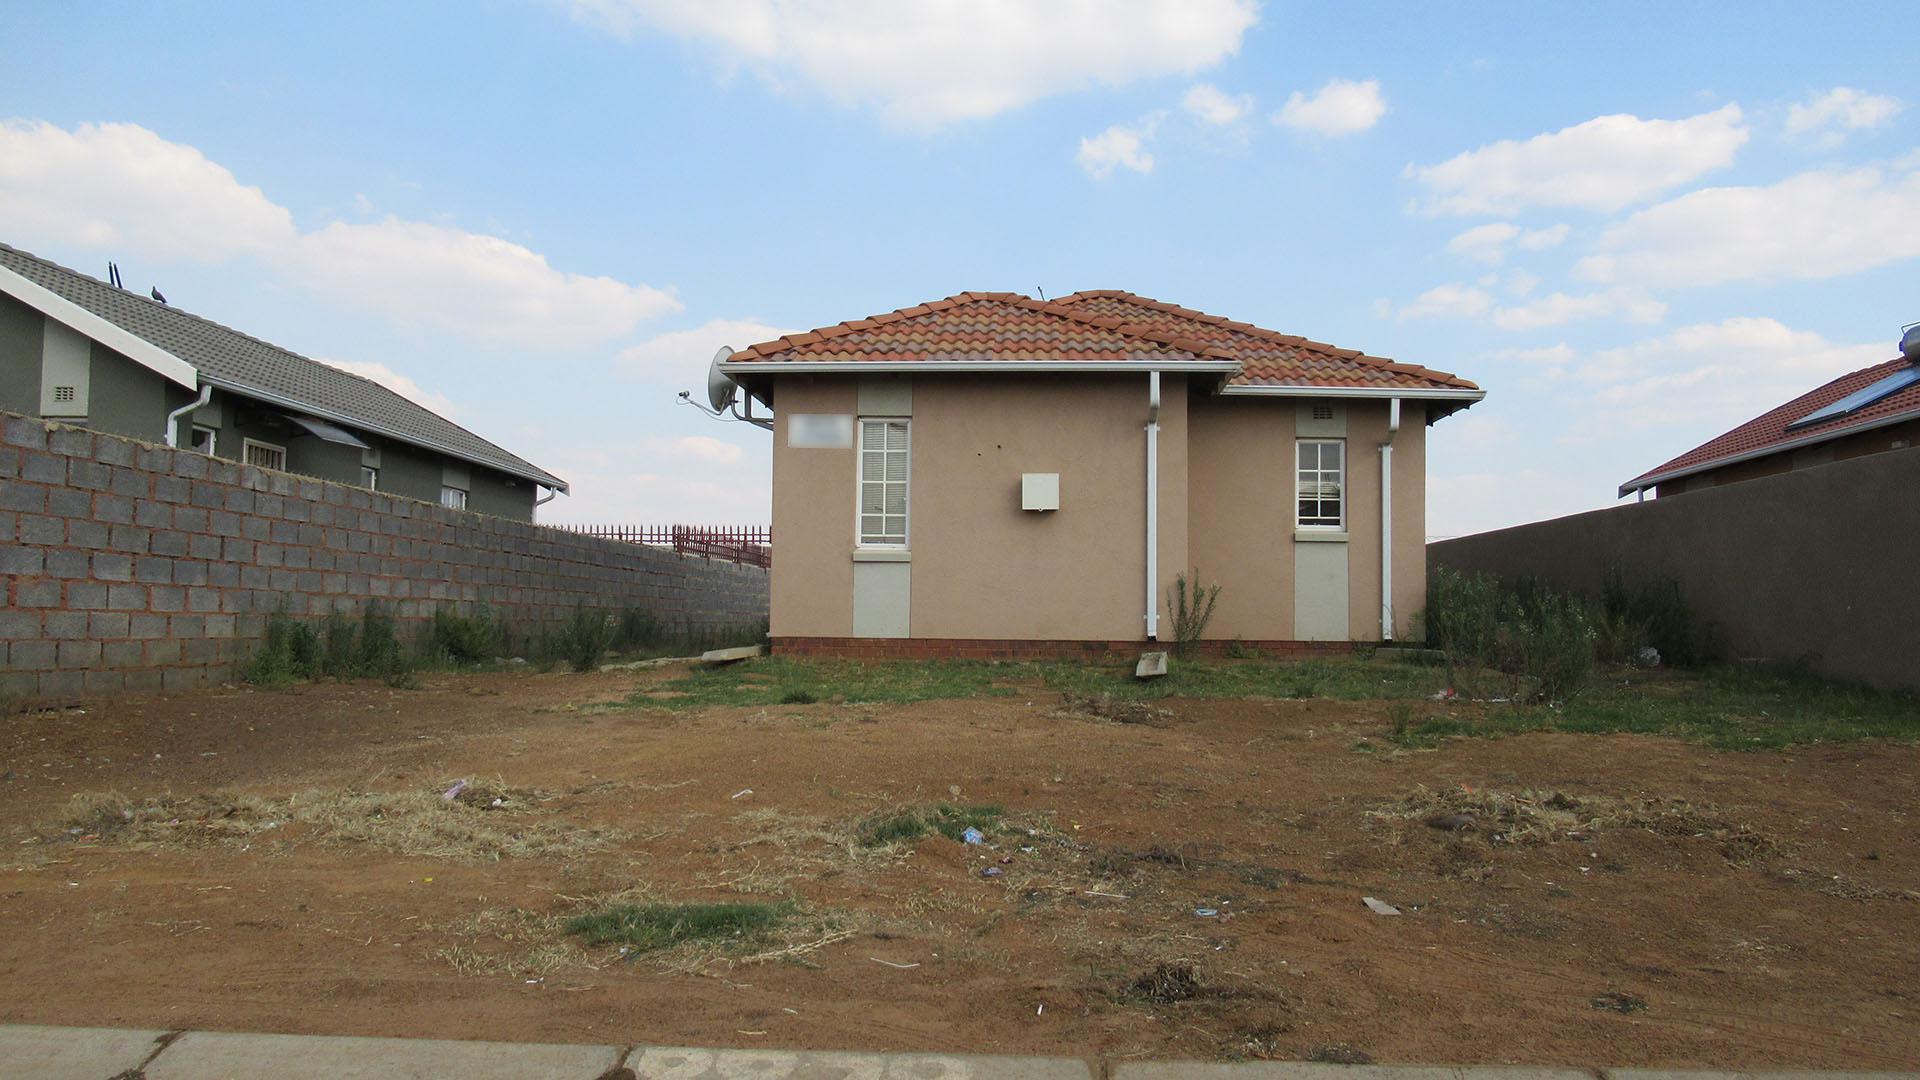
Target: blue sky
[1635,225]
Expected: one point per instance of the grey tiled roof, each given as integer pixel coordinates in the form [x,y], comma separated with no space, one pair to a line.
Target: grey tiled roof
[236,361]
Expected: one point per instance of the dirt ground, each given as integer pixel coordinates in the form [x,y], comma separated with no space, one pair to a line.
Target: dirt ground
[1738,909]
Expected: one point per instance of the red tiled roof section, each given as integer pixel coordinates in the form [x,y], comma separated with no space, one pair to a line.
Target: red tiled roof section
[976,327]
[1268,357]
[1770,428]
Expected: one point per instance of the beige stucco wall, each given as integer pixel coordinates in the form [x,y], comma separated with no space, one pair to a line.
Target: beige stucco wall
[983,568]
[1241,517]
[813,518]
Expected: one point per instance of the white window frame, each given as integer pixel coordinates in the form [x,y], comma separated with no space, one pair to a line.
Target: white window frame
[860,483]
[447,491]
[1299,445]
[247,446]
[213,438]
[370,478]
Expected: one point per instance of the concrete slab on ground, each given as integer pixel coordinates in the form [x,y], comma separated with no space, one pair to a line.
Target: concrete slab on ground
[1786,1074]
[72,1053]
[213,1055]
[676,1063]
[1309,1070]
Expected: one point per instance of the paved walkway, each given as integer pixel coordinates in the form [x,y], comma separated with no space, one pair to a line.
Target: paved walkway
[63,1053]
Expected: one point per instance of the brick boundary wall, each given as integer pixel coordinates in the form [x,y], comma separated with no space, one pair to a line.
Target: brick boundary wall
[1013,649]
[128,566]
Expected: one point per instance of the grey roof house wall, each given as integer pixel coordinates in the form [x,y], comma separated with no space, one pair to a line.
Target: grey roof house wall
[243,365]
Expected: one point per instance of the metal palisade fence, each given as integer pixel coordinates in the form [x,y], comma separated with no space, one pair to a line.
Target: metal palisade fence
[748,544]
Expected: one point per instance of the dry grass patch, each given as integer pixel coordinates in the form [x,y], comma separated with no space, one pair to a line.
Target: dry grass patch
[483,822]
[1541,817]
[1104,706]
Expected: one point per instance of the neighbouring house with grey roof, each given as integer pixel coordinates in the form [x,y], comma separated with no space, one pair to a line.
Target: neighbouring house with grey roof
[78,350]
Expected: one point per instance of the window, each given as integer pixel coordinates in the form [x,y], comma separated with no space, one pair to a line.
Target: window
[203,439]
[453,498]
[369,477]
[265,455]
[1322,483]
[883,483]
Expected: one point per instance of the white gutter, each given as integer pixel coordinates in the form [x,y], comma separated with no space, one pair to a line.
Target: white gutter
[173,418]
[1386,521]
[924,367]
[1390,393]
[1153,505]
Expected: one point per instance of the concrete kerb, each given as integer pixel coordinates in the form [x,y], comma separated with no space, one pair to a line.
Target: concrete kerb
[75,1053]
[65,1053]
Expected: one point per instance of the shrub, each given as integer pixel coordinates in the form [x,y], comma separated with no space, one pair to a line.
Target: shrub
[1524,631]
[1192,609]
[340,648]
[465,639]
[583,638]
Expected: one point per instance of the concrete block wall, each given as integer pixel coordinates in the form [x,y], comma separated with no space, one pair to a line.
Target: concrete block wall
[128,566]
[1813,566]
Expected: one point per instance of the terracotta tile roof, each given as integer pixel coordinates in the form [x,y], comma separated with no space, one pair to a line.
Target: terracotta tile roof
[1769,430]
[978,326]
[1268,357]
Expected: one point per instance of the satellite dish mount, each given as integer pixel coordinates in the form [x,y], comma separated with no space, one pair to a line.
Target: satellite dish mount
[723,395]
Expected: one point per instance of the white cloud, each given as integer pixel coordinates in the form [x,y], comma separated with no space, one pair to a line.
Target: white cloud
[1488,243]
[1709,377]
[929,64]
[125,190]
[1603,164]
[1448,301]
[1215,106]
[467,283]
[121,188]
[1546,356]
[701,448]
[1484,243]
[396,382]
[684,354]
[1520,283]
[1120,146]
[1814,225]
[1841,110]
[1542,239]
[1560,308]
[1341,107]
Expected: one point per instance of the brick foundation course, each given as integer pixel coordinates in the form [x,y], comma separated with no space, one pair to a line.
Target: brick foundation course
[1009,649]
[128,566]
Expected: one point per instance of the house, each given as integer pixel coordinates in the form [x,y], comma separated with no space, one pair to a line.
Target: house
[1868,411]
[995,475]
[77,349]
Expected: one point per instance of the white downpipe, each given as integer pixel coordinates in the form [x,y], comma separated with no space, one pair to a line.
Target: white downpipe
[173,418]
[1153,505]
[1386,520]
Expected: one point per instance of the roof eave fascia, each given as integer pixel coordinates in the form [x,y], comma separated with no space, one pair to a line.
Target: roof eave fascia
[537,476]
[84,322]
[1090,367]
[1381,392]
[1656,479]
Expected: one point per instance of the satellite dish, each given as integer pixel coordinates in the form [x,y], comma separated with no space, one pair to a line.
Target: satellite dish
[721,389]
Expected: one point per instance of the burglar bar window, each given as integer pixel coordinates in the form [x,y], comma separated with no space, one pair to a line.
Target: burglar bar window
[1321,483]
[883,483]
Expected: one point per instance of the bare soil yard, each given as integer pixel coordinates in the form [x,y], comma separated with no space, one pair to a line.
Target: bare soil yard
[1181,878]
